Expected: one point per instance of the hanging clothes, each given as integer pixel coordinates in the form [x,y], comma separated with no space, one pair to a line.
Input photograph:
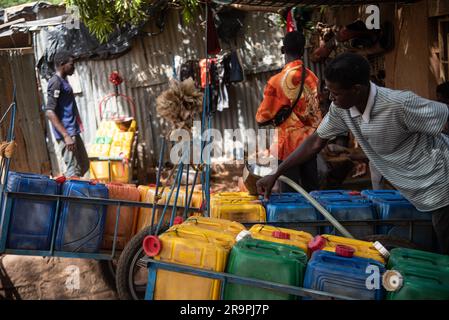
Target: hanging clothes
[191,69]
[236,69]
[203,70]
[291,23]
[223,97]
[177,62]
[233,70]
[223,77]
[213,44]
[212,78]
[214,82]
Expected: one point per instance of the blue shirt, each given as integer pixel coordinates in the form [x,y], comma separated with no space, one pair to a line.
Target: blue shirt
[61,100]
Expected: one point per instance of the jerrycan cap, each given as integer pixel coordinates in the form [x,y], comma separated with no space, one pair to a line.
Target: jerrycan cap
[317,243]
[152,246]
[60,179]
[178,220]
[392,280]
[280,235]
[242,235]
[382,250]
[344,251]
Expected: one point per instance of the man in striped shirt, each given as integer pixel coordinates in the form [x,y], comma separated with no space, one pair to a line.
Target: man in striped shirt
[399,132]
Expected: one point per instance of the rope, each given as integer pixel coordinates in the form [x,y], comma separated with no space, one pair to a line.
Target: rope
[6,113]
[7,149]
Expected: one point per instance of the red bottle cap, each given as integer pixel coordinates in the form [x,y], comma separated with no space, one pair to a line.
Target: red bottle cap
[317,243]
[178,220]
[60,179]
[281,235]
[152,246]
[344,251]
[354,193]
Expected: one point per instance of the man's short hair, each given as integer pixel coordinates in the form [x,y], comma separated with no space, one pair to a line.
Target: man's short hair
[294,43]
[61,58]
[348,69]
[443,90]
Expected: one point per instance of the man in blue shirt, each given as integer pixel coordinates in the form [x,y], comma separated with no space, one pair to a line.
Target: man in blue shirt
[62,112]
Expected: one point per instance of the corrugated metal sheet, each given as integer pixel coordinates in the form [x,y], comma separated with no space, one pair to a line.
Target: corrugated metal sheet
[146,69]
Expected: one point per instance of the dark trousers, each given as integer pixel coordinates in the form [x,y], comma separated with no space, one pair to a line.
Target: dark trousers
[306,175]
[440,221]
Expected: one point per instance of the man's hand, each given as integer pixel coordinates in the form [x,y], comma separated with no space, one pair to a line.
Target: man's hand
[69,143]
[265,184]
[336,149]
[56,122]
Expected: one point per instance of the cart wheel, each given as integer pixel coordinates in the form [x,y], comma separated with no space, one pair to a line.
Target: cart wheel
[108,269]
[390,242]
[132,275]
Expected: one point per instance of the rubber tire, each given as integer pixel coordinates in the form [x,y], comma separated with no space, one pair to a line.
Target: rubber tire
[108,269]
[124,265]
[390,242]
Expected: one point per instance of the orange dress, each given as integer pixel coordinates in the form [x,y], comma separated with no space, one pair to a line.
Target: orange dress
[306,115]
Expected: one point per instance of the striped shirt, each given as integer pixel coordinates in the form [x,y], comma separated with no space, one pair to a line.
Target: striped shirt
[401,135]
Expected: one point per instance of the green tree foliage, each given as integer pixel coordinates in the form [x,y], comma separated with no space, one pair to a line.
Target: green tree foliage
[102,17]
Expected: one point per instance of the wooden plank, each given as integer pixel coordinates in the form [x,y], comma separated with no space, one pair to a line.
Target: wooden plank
[24,51]
[438,8]
[446,68]
[31,153]
[2,26]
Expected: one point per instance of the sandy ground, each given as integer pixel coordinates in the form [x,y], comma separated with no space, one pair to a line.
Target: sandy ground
[23,277]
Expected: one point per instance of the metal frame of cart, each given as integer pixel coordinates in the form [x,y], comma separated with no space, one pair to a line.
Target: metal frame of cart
[6,199]
[7,212]
[154,265]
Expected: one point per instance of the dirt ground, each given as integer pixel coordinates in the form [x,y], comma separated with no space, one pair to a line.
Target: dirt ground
[36,278]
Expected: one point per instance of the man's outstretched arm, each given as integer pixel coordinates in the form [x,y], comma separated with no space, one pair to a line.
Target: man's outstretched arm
[309,148]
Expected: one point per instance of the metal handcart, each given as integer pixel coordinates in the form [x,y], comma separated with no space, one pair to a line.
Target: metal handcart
[7,199]
[132,264]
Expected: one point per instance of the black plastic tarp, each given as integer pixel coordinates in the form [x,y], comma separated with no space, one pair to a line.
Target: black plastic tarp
[83,45]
